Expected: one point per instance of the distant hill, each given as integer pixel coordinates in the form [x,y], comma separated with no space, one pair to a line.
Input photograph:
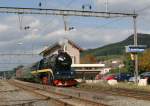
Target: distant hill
[119,47]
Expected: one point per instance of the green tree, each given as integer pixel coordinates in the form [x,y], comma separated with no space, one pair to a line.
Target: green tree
[129,64]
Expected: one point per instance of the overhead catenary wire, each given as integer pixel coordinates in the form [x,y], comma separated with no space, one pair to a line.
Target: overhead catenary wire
[69,3]
[49,22]
[44,25]
[143,9]
[101,26]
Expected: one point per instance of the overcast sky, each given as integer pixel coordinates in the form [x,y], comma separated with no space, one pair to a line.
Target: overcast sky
[45,30]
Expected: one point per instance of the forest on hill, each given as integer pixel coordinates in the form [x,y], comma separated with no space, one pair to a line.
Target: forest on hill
[119,47]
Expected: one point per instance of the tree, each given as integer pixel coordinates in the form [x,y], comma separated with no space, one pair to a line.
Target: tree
[129,63]
[144,61]
[88,59]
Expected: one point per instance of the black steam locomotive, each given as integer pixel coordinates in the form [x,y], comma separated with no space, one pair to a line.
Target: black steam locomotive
[55,70]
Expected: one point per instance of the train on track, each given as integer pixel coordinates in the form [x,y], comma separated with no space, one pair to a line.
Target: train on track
[54,70]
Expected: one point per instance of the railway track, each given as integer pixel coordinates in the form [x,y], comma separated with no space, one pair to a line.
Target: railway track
[82,97]
[60,96]
[137,94]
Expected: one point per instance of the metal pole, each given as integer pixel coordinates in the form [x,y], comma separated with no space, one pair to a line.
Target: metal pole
[135,43]
[106,5]
[62,12]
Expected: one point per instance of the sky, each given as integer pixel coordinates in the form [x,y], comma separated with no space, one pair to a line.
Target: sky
[45,29]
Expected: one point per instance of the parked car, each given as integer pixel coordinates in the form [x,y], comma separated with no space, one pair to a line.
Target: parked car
[145,75]
[141,76]
[132,79]
[123,76]
[108,77]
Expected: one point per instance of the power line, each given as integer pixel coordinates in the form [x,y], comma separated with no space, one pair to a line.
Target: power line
[69,4]
[46,24]
[143,9]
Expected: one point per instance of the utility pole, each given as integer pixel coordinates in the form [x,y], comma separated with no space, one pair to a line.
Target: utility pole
[65,23]
[135,43]
[106,2]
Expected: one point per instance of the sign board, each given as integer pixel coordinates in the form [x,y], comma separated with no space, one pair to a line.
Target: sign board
[135,48]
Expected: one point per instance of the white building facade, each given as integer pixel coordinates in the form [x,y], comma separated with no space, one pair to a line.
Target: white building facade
[70,47]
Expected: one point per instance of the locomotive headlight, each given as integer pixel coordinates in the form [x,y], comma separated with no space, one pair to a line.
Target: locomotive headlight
[61,59]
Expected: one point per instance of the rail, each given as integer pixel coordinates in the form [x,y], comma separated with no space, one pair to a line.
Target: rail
[75,96]
[65,96]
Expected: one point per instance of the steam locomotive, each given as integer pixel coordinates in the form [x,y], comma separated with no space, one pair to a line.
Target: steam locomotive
[55,70]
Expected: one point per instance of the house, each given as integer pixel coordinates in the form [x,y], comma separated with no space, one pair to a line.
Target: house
[68,46]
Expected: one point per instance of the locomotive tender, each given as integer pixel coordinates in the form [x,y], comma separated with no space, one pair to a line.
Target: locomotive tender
[55,70]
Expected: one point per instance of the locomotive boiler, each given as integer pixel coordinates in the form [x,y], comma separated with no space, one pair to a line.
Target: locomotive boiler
[55,70]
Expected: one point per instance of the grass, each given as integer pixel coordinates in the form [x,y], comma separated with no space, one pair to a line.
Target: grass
[109,57]
[104,86]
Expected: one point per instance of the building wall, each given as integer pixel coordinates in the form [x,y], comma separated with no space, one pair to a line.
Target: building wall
[74,53]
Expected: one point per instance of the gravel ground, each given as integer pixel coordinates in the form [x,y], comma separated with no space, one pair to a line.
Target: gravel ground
[13,96]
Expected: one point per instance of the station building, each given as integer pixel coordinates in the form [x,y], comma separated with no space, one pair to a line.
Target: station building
[68,46]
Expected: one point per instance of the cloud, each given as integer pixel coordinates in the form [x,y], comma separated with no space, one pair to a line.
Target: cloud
[3,28]
[122,5]
[35,23]
[89,33]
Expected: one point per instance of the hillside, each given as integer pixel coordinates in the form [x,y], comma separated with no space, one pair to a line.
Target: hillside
[119,47]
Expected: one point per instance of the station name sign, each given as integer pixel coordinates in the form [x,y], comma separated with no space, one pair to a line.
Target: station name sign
[135,48]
